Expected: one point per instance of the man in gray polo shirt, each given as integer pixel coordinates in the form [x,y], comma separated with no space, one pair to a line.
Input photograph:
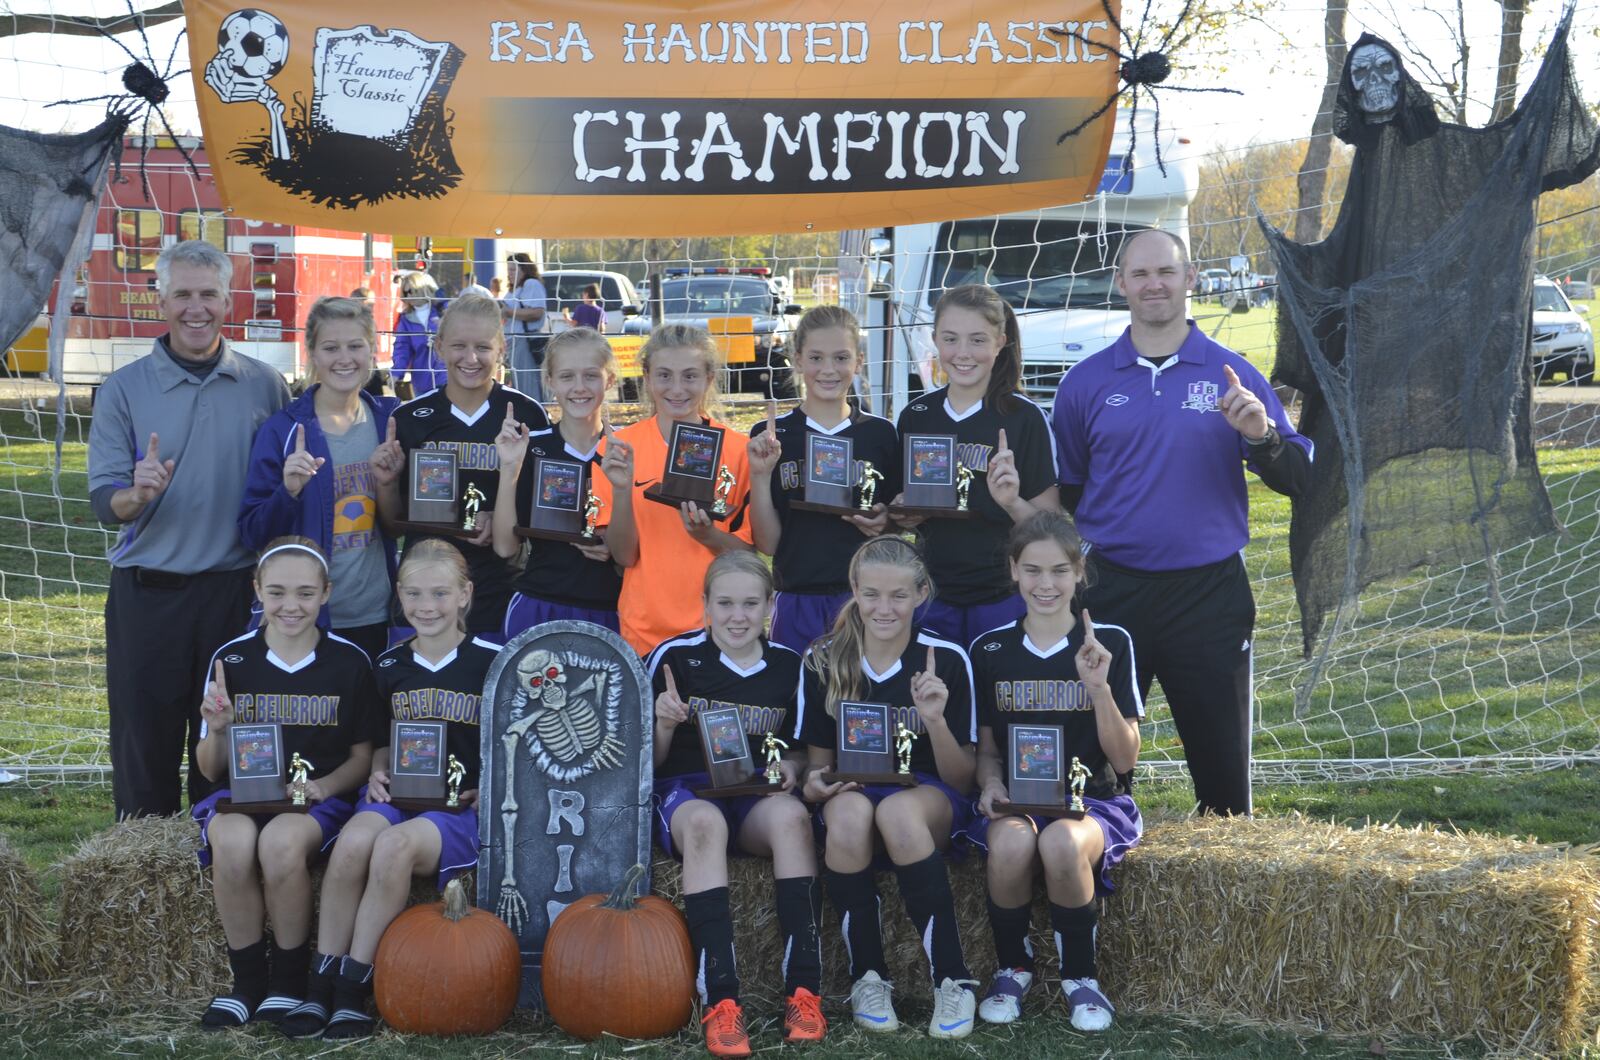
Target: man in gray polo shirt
[169,447]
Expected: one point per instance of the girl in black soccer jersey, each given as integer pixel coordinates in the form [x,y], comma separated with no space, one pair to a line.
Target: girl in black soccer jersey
[438,675]
[561,580]
[876,655]
[318,687]
[811,550]
[730,664]
[1053,669]
[1002,438]
[463,416]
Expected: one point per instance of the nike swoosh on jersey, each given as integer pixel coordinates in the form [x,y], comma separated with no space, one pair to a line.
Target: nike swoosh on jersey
[647,482]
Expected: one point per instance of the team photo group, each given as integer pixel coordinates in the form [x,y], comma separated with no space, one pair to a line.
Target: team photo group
[983,606]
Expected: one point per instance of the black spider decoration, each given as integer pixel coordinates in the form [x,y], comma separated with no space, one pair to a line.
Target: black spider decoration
[147,90]
[1138,68]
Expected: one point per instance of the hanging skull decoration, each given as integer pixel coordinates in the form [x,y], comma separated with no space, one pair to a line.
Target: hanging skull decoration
[1375,75]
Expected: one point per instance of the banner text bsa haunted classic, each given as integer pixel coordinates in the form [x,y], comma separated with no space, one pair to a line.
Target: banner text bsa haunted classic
[745,145]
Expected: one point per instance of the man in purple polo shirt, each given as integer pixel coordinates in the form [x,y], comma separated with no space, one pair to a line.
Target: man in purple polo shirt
[1153,435]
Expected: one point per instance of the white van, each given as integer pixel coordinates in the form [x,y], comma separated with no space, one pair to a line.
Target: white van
[1053,265]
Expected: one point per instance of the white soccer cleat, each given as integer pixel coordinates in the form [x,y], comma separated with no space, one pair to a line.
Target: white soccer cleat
[954,1005]
[1003,1003]
[1090,1009]
[871,1006]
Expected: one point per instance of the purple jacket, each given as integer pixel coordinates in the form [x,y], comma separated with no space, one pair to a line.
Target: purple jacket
[414,353]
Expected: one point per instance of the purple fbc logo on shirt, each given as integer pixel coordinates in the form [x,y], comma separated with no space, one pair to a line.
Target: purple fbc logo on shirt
[1202,397]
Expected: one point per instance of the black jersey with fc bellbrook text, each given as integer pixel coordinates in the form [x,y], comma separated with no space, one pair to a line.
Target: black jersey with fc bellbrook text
[556,570]
[432,422]
[814,552]
[707,679]
[815,726]
[967,557]
[326,702]
[1017,683]
[451,690]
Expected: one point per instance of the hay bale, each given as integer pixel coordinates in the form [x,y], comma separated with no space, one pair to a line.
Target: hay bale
[137,917]
[760,948]
[27,945]
[1315,926]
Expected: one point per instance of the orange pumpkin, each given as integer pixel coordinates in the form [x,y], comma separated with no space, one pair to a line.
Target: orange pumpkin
[619,965]
[447,968]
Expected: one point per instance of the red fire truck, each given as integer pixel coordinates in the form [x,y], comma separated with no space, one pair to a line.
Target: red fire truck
[278,270]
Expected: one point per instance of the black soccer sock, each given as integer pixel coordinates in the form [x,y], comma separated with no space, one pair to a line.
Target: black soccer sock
[1075,938]
[238,1006]
[352,989]
[1010,927]
[311,1016]
[925,889]
[711,939]
[799,910]
[855,896]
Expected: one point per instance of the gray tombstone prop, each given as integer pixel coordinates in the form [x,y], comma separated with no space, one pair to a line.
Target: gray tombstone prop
[566,782]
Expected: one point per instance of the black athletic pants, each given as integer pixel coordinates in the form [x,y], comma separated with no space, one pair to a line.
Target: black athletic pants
[161,631]
[1191,631]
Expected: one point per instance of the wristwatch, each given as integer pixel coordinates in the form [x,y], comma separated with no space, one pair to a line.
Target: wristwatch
[1267,443]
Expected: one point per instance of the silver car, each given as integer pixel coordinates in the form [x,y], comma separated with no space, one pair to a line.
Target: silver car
[1562,339]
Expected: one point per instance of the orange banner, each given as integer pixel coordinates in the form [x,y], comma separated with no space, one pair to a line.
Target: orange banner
[648,118]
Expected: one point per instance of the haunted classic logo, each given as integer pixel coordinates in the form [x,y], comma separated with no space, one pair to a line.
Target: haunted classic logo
[376,125]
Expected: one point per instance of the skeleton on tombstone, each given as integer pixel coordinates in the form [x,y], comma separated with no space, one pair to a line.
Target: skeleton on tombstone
[570,734]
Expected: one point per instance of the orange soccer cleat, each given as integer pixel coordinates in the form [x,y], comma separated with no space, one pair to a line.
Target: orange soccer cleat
[725,1034]
[802,1017]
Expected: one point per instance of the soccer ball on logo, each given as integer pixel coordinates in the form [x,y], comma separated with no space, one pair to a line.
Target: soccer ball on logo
[253,43]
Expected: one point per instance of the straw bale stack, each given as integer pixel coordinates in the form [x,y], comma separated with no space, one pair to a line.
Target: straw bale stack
[137,917]
[27,944]
[760,949]
[1311,925]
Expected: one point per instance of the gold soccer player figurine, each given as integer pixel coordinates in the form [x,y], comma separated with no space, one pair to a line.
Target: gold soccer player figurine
[299,769]
[456,773]
[870,477]
[963,485]
[774,748]
[474,500]
[903,738]
[1080,777]
[725,483]
[591,514]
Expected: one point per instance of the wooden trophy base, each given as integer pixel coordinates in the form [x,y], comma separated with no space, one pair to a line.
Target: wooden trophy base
[918,512]
[576,538]
[654,494]
[829,509]
[1040,810]
[227,805]
[425,805]
[437,529]
[904,780]
[756,785]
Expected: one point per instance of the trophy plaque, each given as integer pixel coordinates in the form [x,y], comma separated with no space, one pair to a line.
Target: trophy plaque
[418,780]
[560,502]
[830,475]
[865,753]
[257,773]
[727,752]
[694,471]
[434,496]
[1035,778]
[937,482]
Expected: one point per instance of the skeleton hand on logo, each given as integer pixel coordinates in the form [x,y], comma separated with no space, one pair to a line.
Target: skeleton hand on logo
[1375,75]
[252,47]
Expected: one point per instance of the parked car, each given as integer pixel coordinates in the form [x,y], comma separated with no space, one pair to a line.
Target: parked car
[1211,283]
[1562,339]
[700,295]
[564,288]
[1578,289]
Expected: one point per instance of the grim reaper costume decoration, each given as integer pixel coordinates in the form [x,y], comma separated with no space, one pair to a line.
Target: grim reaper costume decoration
[1407,331]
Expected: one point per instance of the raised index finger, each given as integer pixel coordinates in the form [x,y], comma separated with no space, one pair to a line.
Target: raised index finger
[299,437]
[1232,376]
[772,418]
[153,449]
[1088,627]
[390,435]
[672,685]
[1003,444]
[930,659]
[221,678]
